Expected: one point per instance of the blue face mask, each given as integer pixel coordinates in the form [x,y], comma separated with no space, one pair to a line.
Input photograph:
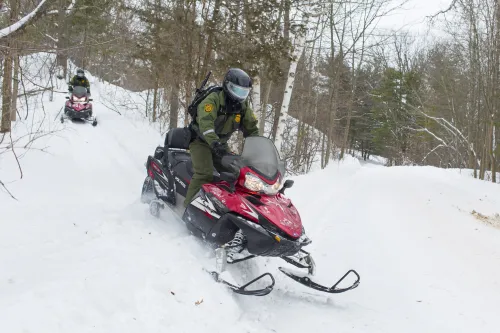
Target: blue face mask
[237,92]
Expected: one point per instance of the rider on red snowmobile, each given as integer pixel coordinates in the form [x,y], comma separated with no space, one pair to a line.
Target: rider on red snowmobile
[219,115]
[79,80]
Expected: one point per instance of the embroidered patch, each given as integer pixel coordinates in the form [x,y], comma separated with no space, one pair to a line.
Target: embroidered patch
[237,118]
[209,107]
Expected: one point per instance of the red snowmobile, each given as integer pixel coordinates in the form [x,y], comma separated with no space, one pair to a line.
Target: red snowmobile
[250,198]
[78,106]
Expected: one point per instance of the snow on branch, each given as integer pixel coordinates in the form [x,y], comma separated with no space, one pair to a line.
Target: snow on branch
[70,7]
[452,129]
[35,14]
[68,10]
[430,133]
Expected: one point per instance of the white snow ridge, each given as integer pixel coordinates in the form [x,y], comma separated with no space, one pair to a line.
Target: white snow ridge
[80,253]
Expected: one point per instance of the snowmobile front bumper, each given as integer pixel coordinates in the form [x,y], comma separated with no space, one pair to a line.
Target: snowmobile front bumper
[265,242]
[305,280]
[81,115]
[70,113]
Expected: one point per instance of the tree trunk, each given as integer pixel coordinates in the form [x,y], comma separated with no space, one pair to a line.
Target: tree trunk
[155,102]
[286,20]
[492,153]
[263,114]
[6,91]
[346,132]
[61,55]
[174,106]
[484,154]
[301,133]
[210,39]
[256,98]
[298,50]
[323,165]
[15,89]
[187,88]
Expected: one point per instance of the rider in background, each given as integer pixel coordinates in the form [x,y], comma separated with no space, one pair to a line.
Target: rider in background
[79,80]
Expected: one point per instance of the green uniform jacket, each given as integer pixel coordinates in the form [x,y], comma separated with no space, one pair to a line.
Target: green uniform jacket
[77,81]
[213,124]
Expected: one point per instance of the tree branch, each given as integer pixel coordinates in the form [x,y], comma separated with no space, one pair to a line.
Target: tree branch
[20,25]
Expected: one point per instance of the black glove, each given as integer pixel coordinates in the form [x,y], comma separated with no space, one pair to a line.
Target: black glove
[218,148]
[70,89]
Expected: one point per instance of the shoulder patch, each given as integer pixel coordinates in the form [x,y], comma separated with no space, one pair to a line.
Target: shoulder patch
[209,107]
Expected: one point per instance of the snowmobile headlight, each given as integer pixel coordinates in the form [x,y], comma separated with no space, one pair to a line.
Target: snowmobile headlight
[76,99]
[255,184]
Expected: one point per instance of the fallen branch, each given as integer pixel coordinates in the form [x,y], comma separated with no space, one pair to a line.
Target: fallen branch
[7,190]
[15,155]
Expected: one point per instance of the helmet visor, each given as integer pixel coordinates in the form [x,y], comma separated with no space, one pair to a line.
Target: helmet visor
[238,92]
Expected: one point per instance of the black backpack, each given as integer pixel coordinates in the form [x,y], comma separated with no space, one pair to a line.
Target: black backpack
[198,98]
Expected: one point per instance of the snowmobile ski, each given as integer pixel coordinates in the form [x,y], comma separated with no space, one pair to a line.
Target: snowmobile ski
[302,259]
[241,289]
[305,280]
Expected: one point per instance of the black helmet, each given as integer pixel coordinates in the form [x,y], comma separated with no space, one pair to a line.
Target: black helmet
[80,72]
[237,84]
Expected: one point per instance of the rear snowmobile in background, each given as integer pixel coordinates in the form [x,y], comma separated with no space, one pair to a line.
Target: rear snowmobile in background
[78,106]
[250,198]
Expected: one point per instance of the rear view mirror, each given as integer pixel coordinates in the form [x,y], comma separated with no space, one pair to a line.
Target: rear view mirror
[90,99]
[67,97]
[288,184]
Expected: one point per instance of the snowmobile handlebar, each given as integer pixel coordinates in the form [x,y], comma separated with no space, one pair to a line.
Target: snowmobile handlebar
[229,161]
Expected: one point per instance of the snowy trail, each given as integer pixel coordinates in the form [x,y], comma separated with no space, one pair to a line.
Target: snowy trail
[79,253]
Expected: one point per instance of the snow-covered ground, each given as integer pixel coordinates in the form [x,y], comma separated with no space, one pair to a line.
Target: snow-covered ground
[80,253]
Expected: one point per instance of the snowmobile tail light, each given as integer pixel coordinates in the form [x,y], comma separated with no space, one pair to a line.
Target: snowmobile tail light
[255,184]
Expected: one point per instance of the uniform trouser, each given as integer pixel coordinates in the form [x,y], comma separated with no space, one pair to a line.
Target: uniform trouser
[203,164]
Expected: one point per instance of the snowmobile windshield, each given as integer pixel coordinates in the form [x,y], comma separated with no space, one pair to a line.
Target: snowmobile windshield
[79,91]
[260,154]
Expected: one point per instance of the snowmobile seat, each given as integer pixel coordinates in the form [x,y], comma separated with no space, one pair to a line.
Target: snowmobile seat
[178,138]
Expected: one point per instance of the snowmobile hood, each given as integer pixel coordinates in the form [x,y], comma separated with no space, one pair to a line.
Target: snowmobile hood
[280,211]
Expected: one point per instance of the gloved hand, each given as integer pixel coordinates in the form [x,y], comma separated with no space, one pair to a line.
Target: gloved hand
[218,148]
[70,89]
